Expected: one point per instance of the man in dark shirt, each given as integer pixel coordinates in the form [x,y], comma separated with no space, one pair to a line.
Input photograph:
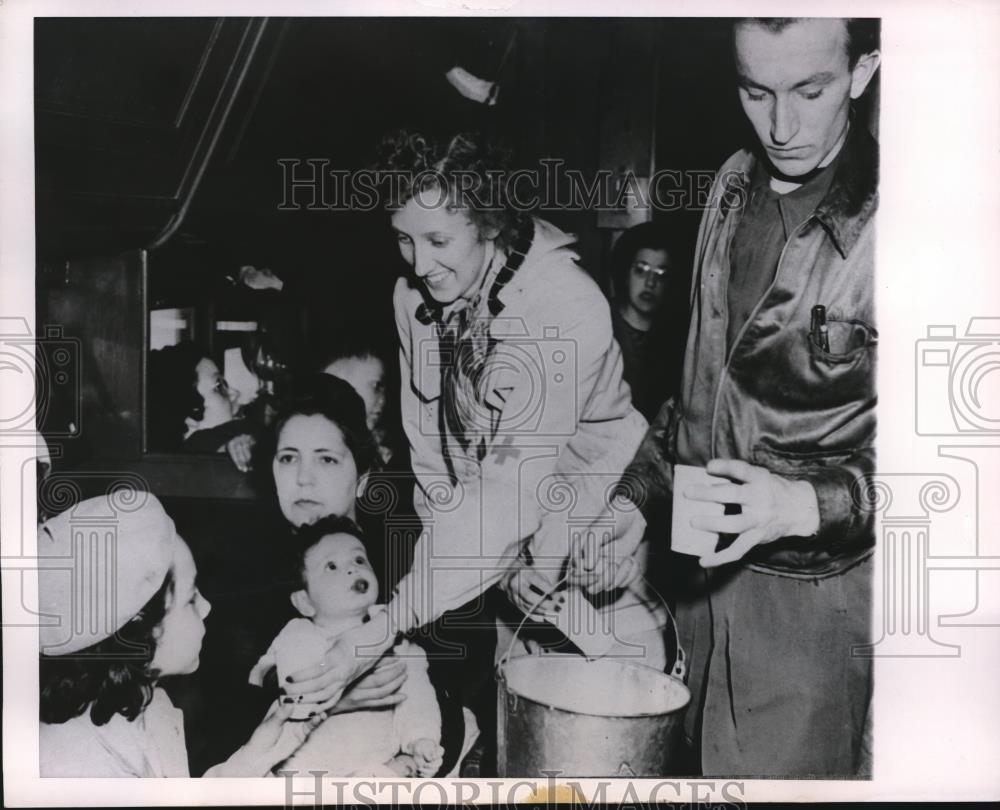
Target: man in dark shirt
[768,223]
[784,413]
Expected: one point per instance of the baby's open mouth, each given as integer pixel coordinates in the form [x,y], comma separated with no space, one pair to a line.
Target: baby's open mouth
[360,585]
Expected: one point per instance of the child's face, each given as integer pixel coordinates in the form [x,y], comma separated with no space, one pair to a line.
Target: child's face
[219,398]
[366,375]
[314,470]
[178,641]
[339,581]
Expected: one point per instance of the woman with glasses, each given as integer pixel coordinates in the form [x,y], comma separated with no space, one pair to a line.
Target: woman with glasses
[648,312]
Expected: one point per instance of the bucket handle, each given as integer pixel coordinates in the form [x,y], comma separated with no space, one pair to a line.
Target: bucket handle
[679,669]
[527,615]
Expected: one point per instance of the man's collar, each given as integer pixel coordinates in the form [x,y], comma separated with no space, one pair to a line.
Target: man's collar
[853,194]
[848,204]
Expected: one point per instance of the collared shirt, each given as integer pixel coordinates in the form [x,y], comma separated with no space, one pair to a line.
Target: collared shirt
[770,218]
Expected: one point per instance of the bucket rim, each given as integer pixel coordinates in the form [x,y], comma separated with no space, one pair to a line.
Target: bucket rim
[569,656]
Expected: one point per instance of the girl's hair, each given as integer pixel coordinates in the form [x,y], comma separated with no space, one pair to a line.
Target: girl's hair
[327,396]
[111,677]
[309,534]
[470,170]
[651,235]
[172,394]
[346,344]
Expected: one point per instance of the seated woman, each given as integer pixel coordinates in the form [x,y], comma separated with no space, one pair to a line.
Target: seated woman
[649,312]
[191,408]
[325,451]
[319,452]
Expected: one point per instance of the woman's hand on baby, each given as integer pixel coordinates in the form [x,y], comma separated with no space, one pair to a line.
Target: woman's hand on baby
[427,754]
[350,655]
[376,689]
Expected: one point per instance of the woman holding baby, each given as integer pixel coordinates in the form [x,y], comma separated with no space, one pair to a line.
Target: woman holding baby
[103,711]
[519,424]
[518,420]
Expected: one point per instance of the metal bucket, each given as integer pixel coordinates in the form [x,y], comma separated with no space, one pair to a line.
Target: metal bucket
[580,718]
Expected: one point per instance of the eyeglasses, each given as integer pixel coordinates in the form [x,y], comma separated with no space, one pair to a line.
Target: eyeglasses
[645,270]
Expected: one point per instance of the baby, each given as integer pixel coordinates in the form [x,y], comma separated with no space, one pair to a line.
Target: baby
[338,589]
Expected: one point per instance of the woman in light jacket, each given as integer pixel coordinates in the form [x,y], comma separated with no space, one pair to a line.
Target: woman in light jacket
[519,423]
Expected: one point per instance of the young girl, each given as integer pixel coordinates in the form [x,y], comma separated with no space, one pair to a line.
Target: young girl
[134,617]
[335,588]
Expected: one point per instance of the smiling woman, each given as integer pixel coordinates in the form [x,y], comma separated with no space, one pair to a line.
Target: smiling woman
[506,351]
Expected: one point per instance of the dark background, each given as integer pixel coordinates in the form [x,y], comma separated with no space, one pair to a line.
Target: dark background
[156,151]
[157,144]
[120,106]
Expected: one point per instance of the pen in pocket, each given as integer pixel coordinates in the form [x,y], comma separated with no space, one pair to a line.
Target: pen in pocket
[818,328]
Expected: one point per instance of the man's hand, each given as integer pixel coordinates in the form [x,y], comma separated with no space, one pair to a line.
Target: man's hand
[772,507]
[240,449]
[427,755]
[260,278]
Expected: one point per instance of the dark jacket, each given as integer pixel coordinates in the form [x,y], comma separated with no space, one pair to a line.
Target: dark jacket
[777,399]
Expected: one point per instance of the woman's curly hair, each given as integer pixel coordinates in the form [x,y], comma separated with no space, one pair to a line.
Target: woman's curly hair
[111,677]
[473,172]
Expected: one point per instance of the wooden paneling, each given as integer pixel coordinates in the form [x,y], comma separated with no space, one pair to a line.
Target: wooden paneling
[99,305]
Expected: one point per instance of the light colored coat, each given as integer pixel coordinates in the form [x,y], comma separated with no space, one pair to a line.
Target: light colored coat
[152,745]
[565,434]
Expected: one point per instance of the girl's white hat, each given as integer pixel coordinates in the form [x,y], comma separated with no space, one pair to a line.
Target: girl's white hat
[99,563]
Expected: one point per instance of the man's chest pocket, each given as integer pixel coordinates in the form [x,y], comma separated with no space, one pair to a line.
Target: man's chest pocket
[843,368]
